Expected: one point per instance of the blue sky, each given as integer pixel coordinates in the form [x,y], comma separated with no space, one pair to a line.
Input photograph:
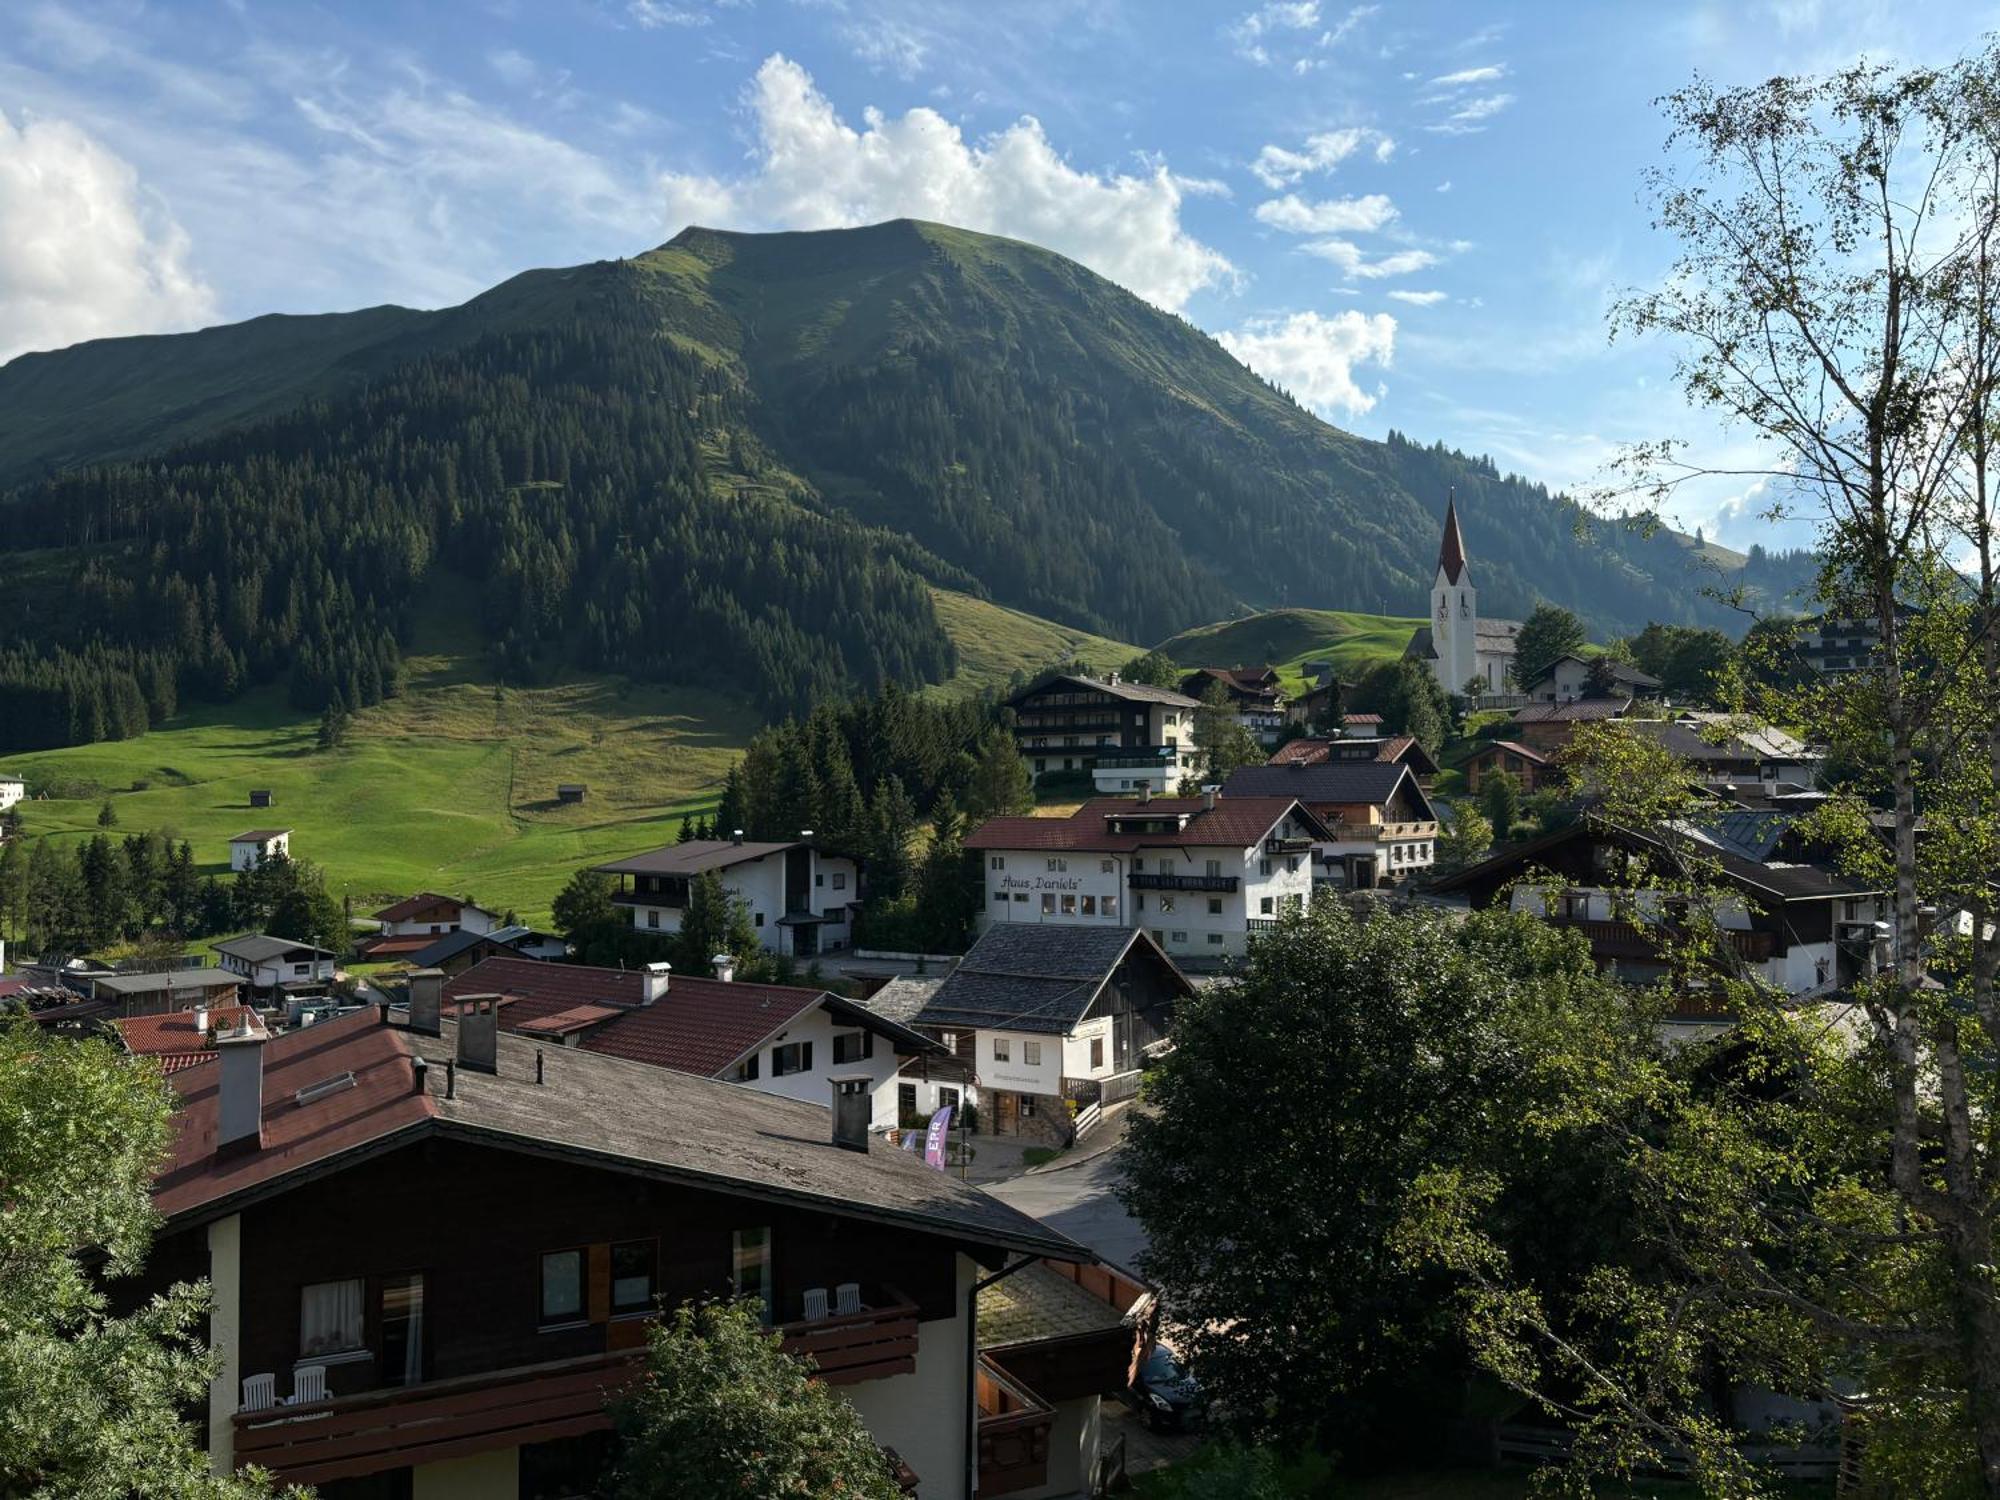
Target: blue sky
[1410,214]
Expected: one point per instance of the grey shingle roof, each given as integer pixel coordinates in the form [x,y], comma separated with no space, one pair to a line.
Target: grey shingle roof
[693,858]
[1030,976]
[902,997]
[1321,781]
[1130,692]
[190,981]
[449,946]
[259,947]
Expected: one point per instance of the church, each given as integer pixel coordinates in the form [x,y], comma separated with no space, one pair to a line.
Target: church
[1458,644]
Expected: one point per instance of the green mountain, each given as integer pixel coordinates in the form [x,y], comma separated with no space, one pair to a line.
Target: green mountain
[740,461]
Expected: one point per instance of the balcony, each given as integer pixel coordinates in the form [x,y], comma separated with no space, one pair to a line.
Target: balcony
[878,1341]
[1142,880]
[1276,845]
[1014,1428]
[665,900]
[1635,942]
[351,1436]
[1380,833]
[1140,761]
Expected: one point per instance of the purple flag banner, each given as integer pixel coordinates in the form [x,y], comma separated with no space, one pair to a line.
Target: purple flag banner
[934,1140]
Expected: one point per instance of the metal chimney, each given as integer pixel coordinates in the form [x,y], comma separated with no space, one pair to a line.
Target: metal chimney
[850,1113]
[653,981]
[427,1001]
[725,966]
[479,1033]
[1208,796]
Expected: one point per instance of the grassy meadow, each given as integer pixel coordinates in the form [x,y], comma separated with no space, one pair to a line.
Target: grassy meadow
[1288,638]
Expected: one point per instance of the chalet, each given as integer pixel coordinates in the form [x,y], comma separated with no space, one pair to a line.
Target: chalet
[1533,768]
[1799,928]
[1548,727]
[457,951]
[1254,693]
[1127,735]
[1395,749]
[801,900]
[181,1038]
[1572,677]
[1053,1019]
[413,924]
[1199,873]
[790,1040]
[1379,827]
[1727,753]
[434,1251]
[274,966]
[150,994]
[12,790]
[940,1079]
[249,850]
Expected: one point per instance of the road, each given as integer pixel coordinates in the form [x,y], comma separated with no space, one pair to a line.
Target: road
[1080,1198]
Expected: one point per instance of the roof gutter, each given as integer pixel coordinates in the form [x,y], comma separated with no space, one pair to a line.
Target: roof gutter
[972,1368]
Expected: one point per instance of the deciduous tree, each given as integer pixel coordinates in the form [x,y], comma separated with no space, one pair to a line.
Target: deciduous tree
[1549,633]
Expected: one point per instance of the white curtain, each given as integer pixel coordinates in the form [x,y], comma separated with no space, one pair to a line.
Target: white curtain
[329,1318]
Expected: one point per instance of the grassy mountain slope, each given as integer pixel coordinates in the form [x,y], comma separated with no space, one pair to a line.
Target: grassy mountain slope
[452,784]
[1288,638]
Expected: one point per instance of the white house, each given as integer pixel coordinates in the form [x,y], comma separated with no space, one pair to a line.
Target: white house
[801,901]
[272,965]
[12,790]
[1048,1015]
[1199,873]
[416,922]
[1129,736]
[1568,679]
[248,850]
[1381,828]
[1457,644]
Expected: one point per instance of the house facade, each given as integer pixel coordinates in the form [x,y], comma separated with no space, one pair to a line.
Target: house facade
[1379,826]
[370,1344]
[1198,873]
[154,993]
[12,790]
[1047,1017]
[251,849]
[1254,693]
[801,900]
[1457,644]
[1129,736]
[1570,679]
[1531,767]
[273,966]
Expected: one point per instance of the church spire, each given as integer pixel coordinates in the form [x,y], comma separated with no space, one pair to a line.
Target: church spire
[1451,551]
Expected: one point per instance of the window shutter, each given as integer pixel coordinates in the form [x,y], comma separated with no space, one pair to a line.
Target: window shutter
[805,1057]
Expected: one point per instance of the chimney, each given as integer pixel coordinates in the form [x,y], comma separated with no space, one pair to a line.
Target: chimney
[1111,678]
[653,981]
[735,835]
[806,834]
[1145,792]
[239,1095]
[1208,795]
[850,1113]
[201,1019]
[725,966]
[479,1033]
[427,1001]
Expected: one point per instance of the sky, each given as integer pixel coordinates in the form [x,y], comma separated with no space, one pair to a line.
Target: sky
[1410,215]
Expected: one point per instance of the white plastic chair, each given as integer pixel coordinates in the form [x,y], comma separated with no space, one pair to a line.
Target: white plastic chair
[308,1384]
[815,1299]
[847,1298]
[259,1392]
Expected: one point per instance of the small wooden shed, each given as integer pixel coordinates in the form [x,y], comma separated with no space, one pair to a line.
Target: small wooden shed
[570,791]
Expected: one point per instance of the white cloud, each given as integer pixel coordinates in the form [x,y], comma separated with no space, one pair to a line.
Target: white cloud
[653,14]
[1348,23]
[1443,187]
[811,170]
[1252,30]
[1419,299]
[1353,261]
[513,67]
[1472,115]
[1467,76]
[1279,166]
[884,43]
[83,252]
[1295,215]
[1314,357]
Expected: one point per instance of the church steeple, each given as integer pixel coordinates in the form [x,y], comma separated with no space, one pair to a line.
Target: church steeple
[1451,551]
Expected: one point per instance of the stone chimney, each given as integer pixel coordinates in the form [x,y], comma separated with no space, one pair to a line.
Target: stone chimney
[239,1095]
[850,1114]
[725,966]
[479,1033]
[1111,678]
[1208,795]
[427,1001]
[653,981]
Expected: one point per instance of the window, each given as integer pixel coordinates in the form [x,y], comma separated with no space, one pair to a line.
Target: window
[750,1266]
[853,1046]
[1022,897]
[652,919]
[329,1318]
[906,1100]
[562,1287]
[1096,1053]
[403,1330]
[1215,939]
[1138,901]
[760,919]
[840,880]
[1292,865]
[948,1040]
[997,862]
[1179,937]
[1264,906]
[1090,906]
[947,1099]
[1104,867]
[1215,906]
[1027,1106]
[1214,867]
[999,895]
[1001,1050]
[793,1057]
[746,1071]
[1068,905]
[818,880]
[1048,903]
[1058,866]
[1263,867]
[1109,906]
[1040,766]
[1166,903]
[1138,864]
[300,971]
[1031,1054]
[632,1276]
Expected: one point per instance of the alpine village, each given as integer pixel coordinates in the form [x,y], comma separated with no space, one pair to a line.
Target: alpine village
[848,858]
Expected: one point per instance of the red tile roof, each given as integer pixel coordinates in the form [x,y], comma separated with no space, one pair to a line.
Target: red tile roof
[172,1038]
[699,1026]
[295,1136]
[1312,751]
[1526,752]
[1234,822]
[423,901]
[398,945]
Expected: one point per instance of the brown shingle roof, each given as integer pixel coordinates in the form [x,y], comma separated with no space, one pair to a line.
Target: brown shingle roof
[172,1039]
[1234,822]
[423,901]
[693,858]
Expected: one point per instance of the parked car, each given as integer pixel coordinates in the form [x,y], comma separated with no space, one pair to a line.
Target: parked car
[1166,1392]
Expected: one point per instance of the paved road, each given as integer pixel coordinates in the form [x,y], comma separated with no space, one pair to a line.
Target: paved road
[1080,1199]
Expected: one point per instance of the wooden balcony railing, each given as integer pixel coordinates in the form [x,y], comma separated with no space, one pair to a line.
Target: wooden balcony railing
[1146,880]
[1347,833]
[1631,940]
[878,1341]
[1014,1428]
